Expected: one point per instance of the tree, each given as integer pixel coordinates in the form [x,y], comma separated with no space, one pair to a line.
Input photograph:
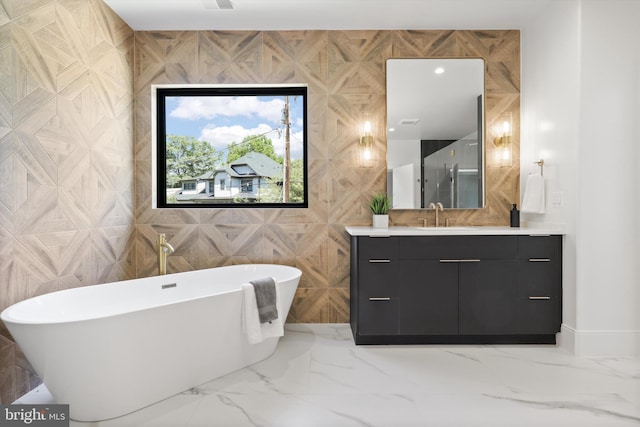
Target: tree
[273,193]
[297,181]
[188,157]
[257,143]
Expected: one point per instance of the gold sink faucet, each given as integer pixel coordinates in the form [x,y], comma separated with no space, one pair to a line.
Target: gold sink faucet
[164,248]
[437,207]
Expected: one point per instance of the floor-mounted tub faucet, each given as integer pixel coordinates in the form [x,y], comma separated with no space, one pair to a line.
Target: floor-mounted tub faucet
[164,248]
[437,207]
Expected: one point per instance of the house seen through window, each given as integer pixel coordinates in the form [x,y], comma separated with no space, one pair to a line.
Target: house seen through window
[250,141]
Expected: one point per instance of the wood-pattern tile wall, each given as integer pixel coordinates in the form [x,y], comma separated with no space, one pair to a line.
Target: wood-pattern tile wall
[66,156]
[345,71]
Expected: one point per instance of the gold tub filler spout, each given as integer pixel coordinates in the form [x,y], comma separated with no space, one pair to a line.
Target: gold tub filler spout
[164,248]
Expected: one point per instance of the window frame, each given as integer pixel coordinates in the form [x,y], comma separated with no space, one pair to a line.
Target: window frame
[159,138]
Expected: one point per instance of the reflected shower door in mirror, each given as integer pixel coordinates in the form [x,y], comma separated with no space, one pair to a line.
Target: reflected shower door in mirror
[435,132]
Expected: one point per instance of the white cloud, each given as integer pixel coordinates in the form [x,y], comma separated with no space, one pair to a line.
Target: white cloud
[221,136]
[211,107]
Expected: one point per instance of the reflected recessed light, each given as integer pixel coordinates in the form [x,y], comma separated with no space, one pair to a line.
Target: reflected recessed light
[439,70]
[392,129]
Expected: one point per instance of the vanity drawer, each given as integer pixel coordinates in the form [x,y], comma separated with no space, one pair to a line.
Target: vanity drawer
[377,316]
[538,278]
[377,248]
[378,279]
[539,247]
[539,317]
[377,261]
[458,247]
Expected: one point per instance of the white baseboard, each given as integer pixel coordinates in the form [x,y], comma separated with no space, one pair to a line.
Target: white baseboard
[567,338]
[586,343]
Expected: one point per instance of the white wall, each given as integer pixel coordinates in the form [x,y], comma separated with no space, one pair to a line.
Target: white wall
[580,106]
[608,222]
[403,152]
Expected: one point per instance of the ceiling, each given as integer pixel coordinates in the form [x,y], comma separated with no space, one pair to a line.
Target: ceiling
[144,15]
[449,111]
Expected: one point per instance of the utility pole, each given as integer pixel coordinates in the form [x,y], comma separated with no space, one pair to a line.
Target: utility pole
[287,151]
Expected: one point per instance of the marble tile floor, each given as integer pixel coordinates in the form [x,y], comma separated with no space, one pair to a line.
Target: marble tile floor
[319,377]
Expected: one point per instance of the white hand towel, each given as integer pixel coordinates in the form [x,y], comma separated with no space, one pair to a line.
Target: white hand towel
[534,195]
[256,331]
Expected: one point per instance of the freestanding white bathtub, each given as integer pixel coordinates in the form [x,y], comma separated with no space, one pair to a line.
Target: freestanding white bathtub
[108,350]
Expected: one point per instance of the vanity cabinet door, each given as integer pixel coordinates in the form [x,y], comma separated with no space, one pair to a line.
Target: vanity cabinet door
[488,292]
[428,298]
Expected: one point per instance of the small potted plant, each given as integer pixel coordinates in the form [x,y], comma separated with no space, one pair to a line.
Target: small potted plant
[380,205]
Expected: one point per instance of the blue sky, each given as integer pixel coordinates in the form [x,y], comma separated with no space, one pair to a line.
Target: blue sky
[221,120]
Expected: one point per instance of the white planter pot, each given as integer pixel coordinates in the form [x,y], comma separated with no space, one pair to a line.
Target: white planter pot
[381,221]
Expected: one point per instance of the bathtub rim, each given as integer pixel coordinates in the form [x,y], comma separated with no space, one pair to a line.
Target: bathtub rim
[7,317]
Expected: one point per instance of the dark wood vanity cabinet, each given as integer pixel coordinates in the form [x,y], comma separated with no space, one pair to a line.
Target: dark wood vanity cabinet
[456,289]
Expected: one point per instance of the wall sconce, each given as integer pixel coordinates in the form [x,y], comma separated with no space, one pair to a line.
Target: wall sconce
[502,141]
[366,152]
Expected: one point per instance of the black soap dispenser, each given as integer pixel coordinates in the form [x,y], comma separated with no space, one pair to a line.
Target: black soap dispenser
[515,216]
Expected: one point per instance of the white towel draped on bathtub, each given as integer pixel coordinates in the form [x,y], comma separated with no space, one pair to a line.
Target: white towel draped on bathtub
[534,195]
[256,331]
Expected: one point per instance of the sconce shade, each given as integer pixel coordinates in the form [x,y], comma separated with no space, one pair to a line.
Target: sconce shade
[365,148]
[502,140]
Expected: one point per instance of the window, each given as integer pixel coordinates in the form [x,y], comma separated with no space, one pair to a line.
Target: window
[238,131]
[246,185]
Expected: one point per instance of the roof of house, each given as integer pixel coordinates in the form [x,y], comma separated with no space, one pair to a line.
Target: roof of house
[258,162]
[204,176]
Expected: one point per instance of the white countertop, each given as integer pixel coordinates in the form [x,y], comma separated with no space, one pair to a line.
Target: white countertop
[537,230]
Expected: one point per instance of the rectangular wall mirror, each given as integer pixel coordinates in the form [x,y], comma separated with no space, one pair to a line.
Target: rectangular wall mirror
[435,132]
